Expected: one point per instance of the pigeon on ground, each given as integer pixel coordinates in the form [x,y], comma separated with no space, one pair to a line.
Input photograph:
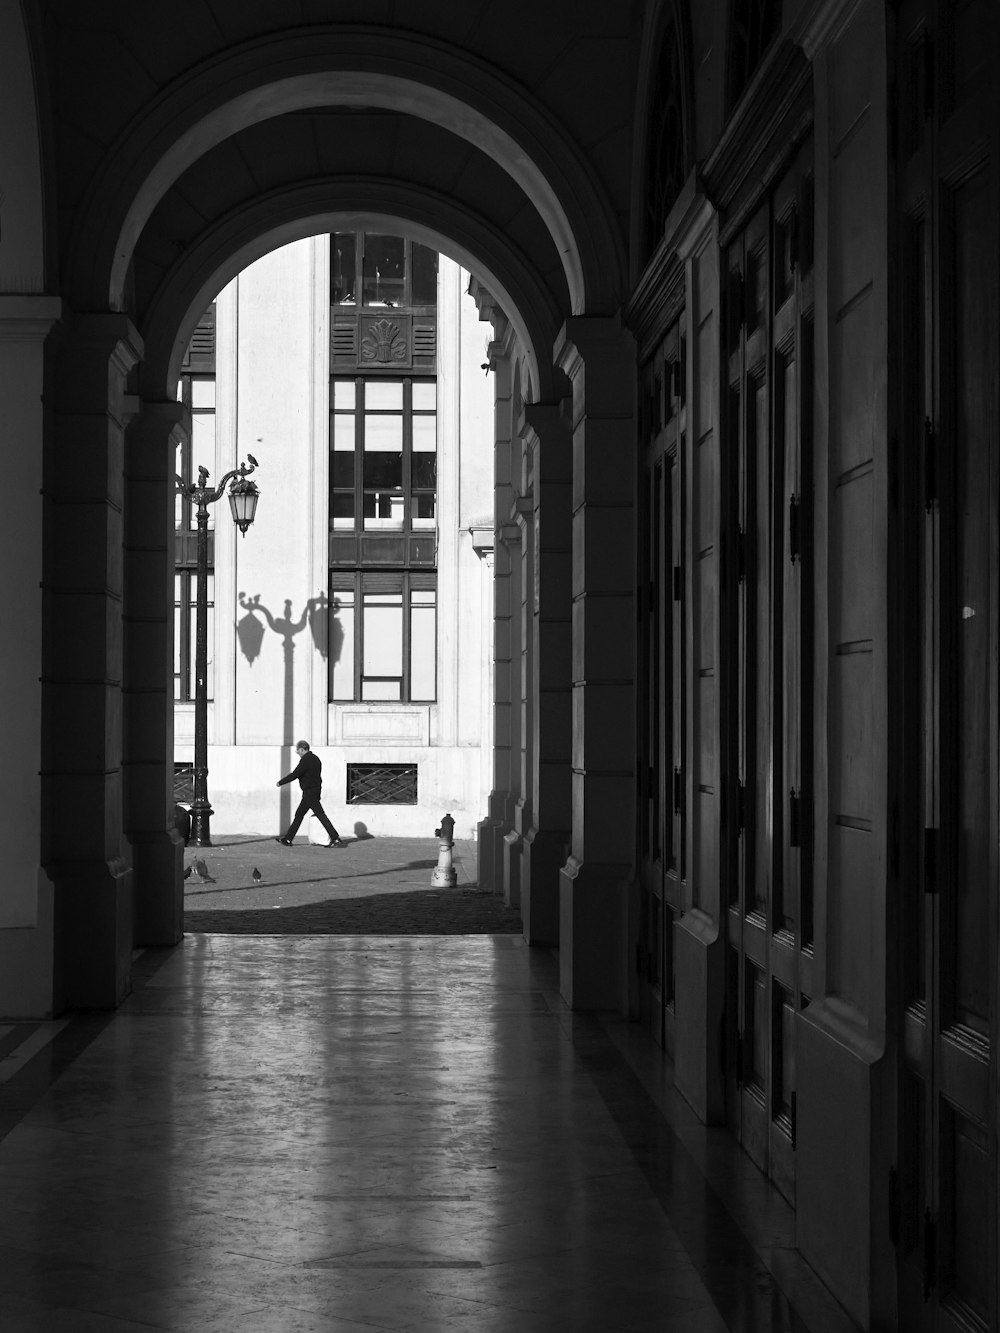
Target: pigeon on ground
[187,872]
[257,876]
[201,870]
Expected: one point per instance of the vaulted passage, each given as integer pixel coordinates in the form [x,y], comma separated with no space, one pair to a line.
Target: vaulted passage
[727,276]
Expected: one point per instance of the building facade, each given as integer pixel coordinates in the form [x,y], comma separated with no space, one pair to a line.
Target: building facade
[358,610]
[741,264]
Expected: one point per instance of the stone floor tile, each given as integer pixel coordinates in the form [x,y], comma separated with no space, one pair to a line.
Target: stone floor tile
[281,1134]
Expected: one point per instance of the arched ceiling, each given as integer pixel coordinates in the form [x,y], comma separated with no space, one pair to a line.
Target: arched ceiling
[302,172]
[189,132]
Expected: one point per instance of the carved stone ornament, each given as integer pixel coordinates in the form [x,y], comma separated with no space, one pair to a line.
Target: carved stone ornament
[383,343]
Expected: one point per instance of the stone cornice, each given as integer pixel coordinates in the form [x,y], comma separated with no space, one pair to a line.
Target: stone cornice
[28,318]
[772,117]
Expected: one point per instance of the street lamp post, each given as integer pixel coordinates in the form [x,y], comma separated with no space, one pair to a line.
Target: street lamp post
[243,496]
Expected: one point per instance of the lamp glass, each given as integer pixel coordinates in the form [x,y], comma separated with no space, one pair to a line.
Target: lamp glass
[243,503]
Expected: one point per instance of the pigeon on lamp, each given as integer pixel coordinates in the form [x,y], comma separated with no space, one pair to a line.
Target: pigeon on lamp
[252,461]
[201,870]
[257,876]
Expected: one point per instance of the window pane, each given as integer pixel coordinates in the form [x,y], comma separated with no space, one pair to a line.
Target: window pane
[425,434]
[210,663]
[341,642]
[203,455]
[343,432]
[384,637]
[343,268]
[383,270]
[177,652]
[383,510]
[203,393]
[342,470]
[383,432]
[422,510]
[381,689]
[383,471]
[423,469]
[424,395]
[422,652]
[384,395]
[344,395]
[424,263]
[342,509]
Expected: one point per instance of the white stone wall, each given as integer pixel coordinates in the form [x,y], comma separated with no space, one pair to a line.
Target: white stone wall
[272,373]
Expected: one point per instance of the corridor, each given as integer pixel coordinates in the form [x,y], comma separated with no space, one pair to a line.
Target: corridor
[352,1134]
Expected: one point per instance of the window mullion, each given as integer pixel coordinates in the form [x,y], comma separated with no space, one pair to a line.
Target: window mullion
[359,634]
[407,455]
[405,687]
[359,458]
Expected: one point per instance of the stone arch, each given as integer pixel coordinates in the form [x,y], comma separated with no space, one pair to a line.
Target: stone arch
[315,207]
[348,67]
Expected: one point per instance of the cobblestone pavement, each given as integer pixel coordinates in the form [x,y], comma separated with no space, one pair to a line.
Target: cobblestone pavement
[373,886]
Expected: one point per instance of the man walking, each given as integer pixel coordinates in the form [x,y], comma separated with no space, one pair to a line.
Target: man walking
[309,772]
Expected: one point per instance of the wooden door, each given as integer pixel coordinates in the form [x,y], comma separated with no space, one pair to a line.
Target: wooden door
[945,1181]
[768,416]
[661,708]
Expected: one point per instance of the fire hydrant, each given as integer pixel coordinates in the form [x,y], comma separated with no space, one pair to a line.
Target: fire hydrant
[445,874]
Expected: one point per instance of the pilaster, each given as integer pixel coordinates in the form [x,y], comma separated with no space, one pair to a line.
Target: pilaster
[548,605]
[500,814]
[598,356]
[147,766]
[83,844]
[26,937]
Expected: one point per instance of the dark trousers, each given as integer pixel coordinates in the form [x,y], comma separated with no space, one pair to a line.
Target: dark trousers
[310,801]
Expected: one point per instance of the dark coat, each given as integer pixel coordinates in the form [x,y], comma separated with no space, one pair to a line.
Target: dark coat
[309,772]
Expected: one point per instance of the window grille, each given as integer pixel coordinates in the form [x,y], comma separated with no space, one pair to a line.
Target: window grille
[183,783]
[381,784]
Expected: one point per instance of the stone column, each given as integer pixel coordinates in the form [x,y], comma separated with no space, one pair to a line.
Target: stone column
[148,695]
[598,356]
[83,845]
[549,606]
[26,975]
[500,817]
[517,536]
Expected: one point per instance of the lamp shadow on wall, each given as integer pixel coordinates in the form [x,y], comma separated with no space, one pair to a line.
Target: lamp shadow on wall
[327,636]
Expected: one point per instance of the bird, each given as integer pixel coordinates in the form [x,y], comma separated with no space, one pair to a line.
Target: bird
[187,872]
[257,876]
[251,460]
[201,870]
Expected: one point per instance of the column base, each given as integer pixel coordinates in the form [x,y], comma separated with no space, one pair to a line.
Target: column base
[593,923]
[846,1088]
[158,886]
[490,833]
[700,988]
[93,933]
[543,855]
[511,852]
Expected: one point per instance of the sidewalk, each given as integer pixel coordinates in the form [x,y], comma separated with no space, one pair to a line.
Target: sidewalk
[373,886]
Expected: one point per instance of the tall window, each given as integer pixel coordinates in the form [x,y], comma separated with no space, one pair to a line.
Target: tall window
[382,633]
[370,269]
[185,596]
[196,390]
[383,469]
[383,460]
[752,26]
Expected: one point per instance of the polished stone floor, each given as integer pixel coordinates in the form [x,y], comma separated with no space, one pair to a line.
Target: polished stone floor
[354,1134]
